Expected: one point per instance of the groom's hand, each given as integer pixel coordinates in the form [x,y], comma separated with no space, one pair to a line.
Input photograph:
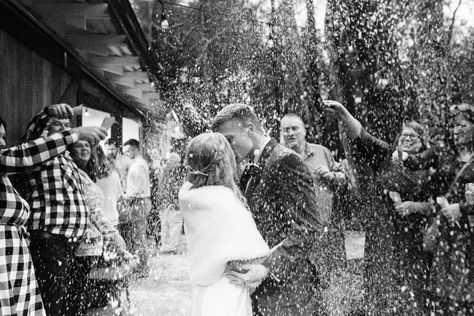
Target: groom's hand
[249,275]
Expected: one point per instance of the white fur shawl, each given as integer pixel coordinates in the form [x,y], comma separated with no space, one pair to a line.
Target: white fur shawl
[218,229]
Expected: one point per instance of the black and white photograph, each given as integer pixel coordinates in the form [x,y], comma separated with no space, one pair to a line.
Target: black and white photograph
[237,157]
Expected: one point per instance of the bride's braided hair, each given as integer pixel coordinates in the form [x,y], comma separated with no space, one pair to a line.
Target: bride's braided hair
[211,161]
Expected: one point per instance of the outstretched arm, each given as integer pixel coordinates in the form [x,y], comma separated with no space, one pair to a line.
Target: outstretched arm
[35,152]
[365,146]
[27,155]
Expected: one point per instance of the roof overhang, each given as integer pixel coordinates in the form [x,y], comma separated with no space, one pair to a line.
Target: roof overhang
[101,41]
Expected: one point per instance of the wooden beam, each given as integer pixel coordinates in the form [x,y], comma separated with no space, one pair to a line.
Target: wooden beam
[128,79]
[115,69]
[113,64]
[115,60]
[151,95]
[71,9]
[147,101]
[145,87]
[120,80]
[86,40]
[71,24]
[137,93]
[137,75]
[98,44]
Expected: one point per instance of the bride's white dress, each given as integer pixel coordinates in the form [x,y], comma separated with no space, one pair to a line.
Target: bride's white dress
[221,298]
[218,229]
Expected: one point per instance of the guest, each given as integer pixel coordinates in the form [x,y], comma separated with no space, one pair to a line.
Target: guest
[120,162]
[219,229]
[108,181]
[318,159]
[91,167]
[137,196]
[100,234]
[452,279]
[58,217]
[19,294]
[281,197]
[396,263]
[327,180]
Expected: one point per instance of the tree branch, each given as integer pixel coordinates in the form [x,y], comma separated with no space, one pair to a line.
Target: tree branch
[451,27]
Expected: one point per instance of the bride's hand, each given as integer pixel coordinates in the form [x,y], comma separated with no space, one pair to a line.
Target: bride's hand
[249,275]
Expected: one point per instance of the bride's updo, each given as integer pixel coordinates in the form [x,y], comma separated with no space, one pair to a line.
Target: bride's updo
[211,161]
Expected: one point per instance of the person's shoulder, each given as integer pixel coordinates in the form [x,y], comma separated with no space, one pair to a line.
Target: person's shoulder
[138,163]
[123,160]
[318,147]
[142,161]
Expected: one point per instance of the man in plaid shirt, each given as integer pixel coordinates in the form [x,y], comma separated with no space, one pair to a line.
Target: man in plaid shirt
[19,293]
[58,217]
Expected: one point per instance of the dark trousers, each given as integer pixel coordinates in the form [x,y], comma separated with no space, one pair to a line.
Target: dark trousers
[58,272]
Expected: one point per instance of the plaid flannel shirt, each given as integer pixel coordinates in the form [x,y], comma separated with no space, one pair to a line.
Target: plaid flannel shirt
[19,159]
[19,292]
[57,198]
[56,194]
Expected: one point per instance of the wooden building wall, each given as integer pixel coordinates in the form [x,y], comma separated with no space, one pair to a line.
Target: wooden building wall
[28,82]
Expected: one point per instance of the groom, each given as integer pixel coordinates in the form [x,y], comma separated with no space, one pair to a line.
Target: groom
[279,190]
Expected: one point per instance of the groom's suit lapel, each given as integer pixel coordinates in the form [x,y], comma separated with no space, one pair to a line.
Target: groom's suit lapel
[255,177]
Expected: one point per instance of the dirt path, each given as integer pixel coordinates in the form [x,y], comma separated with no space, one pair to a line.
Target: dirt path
[166,292]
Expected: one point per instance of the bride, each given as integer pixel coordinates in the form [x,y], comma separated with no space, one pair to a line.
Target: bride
[220,230]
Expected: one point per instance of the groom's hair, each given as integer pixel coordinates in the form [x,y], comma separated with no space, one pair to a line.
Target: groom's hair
[236,111]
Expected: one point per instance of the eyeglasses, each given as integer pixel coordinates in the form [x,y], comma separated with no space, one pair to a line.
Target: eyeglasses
[411,136]
[463,107]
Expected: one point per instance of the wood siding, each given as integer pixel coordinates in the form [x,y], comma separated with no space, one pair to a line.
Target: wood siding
[28,82]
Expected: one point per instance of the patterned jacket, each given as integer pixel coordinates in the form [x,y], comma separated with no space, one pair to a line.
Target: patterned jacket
[55,191]
[18,159]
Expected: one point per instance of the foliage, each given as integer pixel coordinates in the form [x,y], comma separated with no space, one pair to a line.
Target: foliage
[220,54]
[388,61]
[395,61]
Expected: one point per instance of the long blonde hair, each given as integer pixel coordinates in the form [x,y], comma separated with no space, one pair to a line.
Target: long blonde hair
[211,162]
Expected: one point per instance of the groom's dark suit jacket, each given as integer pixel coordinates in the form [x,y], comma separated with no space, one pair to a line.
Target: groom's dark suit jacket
[283,204]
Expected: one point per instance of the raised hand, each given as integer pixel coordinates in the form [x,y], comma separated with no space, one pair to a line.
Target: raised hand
[324,172]
[334,108]
[337,110]
[410,207]
[452,212]
[406,208]
[61,110]
[92,134]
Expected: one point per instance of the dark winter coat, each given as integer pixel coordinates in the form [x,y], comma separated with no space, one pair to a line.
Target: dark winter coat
[395,263]
[282,201]
[453,264]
